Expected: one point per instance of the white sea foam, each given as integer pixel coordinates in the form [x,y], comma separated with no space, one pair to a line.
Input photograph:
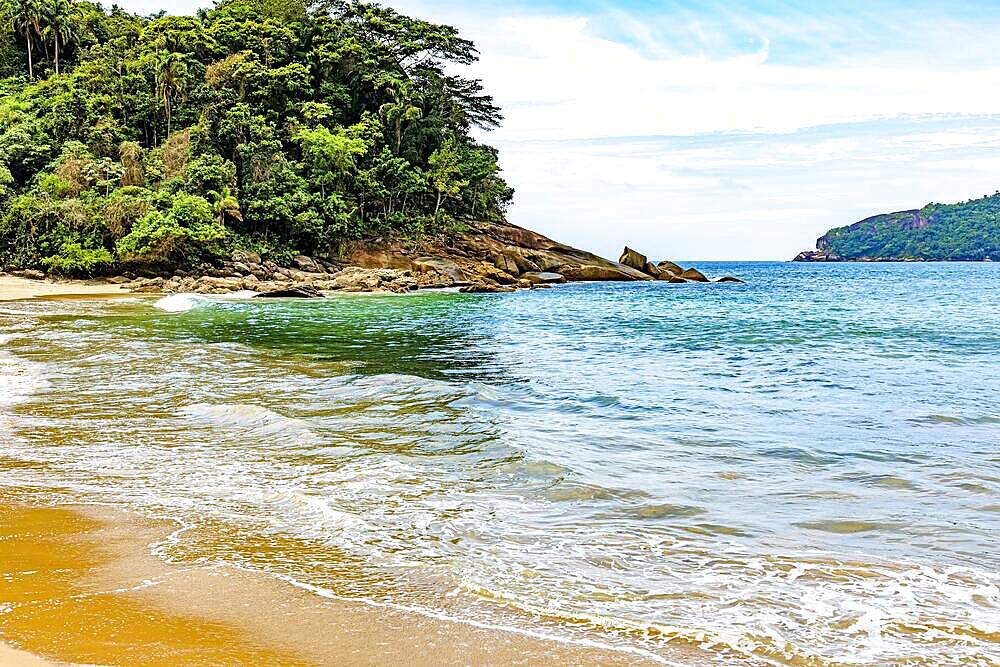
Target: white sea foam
[179,303]
[253,419]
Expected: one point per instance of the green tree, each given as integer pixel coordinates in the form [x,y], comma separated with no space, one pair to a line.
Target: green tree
[172,78]
[328,155]
[27,17]
[60,26]
[446,173]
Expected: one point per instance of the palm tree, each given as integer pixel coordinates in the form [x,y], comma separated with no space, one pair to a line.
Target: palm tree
[172,76]
[27,20]
[60,26]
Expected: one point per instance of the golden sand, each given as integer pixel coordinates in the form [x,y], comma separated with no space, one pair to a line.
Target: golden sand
[15,289]
[82,587]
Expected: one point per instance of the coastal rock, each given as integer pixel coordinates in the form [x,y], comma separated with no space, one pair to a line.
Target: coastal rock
[490,272]
[816,256]
[30,274]
[632,259]
[306,264]
[487,288]
[298,292]
[670,268]
[507,264]
[694,275]
[598,272]
[536,277]
[728,279]
[245,257]
[652,270]
[444,267]
[118,280]
[388,256]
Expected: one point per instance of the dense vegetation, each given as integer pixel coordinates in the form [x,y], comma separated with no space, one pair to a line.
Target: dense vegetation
[146,143]
[966,231]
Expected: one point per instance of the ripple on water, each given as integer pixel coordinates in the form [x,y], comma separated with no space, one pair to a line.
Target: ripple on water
[849,526]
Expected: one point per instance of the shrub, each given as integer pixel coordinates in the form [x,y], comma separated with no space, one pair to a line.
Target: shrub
[77,261]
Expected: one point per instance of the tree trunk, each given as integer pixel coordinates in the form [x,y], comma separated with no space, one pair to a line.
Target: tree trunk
[437,207]
[31,68]
[57,55]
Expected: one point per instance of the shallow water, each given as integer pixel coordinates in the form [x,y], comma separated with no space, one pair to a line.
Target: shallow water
[800,470]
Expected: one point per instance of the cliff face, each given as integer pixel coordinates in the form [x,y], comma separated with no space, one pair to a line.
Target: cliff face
[969,231]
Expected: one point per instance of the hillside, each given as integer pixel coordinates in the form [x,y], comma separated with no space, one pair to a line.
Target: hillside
[148,144]
[969,231]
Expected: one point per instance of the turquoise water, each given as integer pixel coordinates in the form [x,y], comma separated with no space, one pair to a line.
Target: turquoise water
[800,470]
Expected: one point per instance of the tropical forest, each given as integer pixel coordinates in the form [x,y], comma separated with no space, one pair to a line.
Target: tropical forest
[148,143]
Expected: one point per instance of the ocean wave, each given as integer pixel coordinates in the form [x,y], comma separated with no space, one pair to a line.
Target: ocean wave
[180,303]
[252,420]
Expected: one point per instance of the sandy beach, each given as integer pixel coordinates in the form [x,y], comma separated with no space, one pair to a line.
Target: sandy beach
[83,588]
[15,289]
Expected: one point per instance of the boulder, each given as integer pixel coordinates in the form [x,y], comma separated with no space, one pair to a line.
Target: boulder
[242,269]
[677,280]
[728,279]
[303,263]
[245,257]
[30,274]
[445,267]
[597,272]
[507,264]
[491,273]
[118,280]
[632,259]
[650,270]
[670,267]
[297,292]
[694,275]
[536,277]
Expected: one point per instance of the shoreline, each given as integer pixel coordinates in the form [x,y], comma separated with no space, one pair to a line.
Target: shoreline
[84,587]
[17,289]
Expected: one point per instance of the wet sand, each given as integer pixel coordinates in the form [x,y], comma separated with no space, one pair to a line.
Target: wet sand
[15,289]
[81,586]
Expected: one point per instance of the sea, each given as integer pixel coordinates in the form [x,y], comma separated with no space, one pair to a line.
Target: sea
[803,469]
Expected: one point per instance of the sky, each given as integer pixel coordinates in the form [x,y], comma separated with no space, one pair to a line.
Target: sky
[715,130]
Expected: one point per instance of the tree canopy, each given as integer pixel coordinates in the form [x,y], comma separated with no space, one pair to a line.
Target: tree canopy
[162,141]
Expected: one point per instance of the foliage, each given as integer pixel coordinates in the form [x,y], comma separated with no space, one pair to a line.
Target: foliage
[75,260]
[966,231]
[162,141]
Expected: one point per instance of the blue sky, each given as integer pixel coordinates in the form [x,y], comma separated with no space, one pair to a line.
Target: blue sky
[730,130]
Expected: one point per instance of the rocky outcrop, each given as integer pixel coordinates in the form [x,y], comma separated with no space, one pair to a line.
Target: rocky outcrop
[489,257]
[487,247]
[547,277]
[666,271]
[633,259]
[816,256]
[694,276]
[301,292]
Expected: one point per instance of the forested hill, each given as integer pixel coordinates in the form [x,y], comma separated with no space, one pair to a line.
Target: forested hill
[938,232]
[130,142]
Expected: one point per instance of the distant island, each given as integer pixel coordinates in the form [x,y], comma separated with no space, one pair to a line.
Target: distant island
[969,231]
